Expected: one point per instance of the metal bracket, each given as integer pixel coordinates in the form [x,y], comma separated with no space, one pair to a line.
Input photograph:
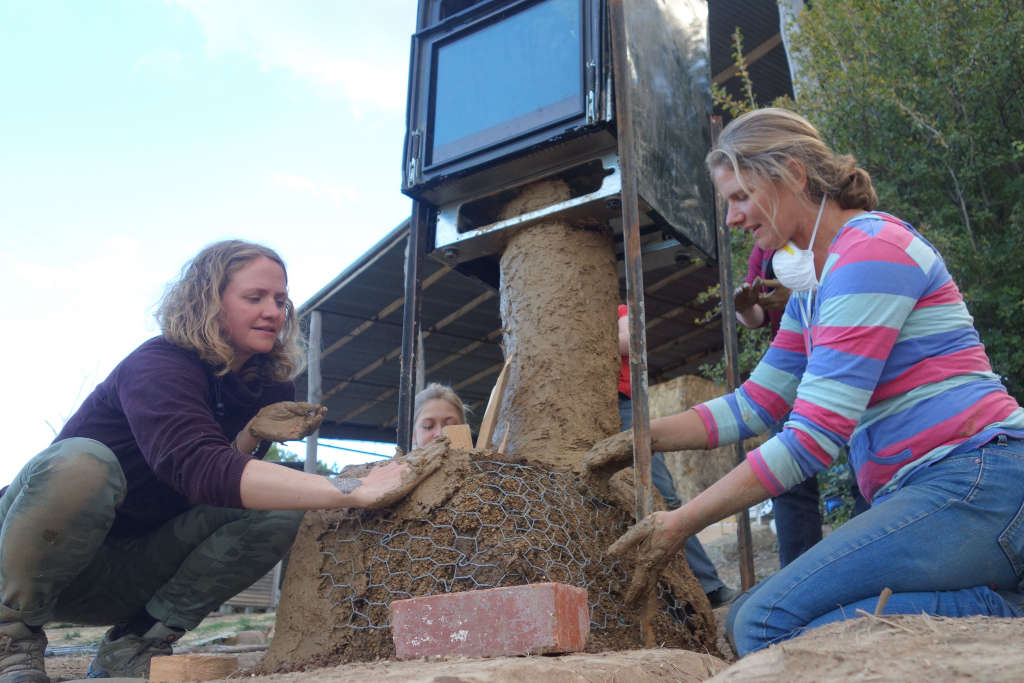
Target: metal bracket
[586,209]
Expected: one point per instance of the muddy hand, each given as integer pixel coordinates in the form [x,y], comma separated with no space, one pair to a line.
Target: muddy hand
[286,421]
[746,295]
[776,299]
[615,451]
[655,545]
[388,484]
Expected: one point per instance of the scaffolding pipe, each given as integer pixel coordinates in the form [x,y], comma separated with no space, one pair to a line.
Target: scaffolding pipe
[314,382]
[730,353]
[414,250]
[634,265]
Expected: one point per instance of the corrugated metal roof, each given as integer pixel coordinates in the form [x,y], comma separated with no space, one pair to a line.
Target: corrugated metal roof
[362,331]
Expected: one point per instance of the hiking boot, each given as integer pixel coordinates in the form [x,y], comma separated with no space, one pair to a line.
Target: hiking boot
[21,654]
[127,655]
[722,596]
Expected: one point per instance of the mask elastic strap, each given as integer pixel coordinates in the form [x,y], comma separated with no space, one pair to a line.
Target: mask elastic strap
[810,248]
[817,221]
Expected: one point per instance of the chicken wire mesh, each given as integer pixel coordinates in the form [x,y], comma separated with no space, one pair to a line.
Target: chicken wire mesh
[508,524]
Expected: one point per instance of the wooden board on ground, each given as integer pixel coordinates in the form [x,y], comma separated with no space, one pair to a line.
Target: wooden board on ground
[177,668]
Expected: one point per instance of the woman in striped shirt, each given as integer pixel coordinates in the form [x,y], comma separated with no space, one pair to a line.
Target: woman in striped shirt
[878,355]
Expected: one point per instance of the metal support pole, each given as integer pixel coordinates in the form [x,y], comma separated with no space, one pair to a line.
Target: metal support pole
[415,247]
[633,263]
[730,353]
[314,382]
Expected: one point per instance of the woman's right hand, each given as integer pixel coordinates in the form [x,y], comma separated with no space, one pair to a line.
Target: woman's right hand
[614,452]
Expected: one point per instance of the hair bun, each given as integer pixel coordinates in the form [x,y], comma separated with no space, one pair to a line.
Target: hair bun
[857,192]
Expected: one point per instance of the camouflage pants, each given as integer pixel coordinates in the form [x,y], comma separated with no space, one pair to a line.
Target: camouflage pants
[57,562]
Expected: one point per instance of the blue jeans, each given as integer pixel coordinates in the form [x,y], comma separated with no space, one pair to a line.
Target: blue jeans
[701,565]
[797,520]
[944,543]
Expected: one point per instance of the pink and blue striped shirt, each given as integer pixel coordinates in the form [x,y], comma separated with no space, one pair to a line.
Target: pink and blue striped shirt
[888,365]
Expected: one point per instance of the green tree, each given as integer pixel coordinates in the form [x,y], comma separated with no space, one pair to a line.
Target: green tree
[752,343]
[929,96]
[281,455]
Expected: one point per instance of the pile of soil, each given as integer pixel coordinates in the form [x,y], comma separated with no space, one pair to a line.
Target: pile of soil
[479,522]
[892,648]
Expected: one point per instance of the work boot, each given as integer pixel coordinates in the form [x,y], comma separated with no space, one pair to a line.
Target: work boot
[127,655]
[722,596]
[21,654]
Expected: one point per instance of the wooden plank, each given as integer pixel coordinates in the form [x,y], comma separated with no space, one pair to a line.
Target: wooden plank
[459,436]
[483,439]
[504,439]
[192,667]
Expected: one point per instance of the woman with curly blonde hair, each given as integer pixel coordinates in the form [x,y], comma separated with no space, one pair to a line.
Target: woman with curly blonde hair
[190,312]
[153,505]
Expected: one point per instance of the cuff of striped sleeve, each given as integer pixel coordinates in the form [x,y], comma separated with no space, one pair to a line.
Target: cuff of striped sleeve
[763,474]
[709,424]
[775,466]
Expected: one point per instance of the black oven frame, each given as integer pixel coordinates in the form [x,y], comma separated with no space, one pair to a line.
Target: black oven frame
[477,170]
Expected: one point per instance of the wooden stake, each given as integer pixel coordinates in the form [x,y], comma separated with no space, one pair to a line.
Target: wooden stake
[882,599]
[504,439]
[483,439]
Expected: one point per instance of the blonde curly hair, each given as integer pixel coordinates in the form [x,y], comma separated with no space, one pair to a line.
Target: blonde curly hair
[189,313]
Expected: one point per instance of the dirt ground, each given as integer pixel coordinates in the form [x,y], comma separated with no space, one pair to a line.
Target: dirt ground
[218,634]
[71,647]
[908,648]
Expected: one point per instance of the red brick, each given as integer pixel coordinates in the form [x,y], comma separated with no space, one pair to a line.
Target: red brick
[539,618]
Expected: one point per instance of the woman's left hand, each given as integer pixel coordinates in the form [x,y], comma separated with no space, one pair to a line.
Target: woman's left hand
[776,298]
[386,484]
[656,540]
[286,421]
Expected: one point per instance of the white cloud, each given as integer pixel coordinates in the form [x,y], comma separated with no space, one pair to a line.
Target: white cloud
[305,37]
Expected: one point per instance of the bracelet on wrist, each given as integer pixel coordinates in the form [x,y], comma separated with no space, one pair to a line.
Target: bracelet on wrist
[253,452]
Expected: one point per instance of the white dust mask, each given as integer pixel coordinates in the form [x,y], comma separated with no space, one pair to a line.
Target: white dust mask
[793,266]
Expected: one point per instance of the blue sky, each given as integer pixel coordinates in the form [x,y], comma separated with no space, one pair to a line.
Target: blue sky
[134,132]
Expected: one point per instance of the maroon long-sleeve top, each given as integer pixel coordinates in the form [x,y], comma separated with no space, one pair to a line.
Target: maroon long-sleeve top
[170,420]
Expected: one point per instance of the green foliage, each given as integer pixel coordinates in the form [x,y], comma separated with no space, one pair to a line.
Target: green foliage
[752,343]
[280,455]
[835,488]
[720,98]
[928,95]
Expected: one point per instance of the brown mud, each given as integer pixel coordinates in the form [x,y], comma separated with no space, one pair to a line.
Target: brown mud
[559,292]
[480,521]
[892,648]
